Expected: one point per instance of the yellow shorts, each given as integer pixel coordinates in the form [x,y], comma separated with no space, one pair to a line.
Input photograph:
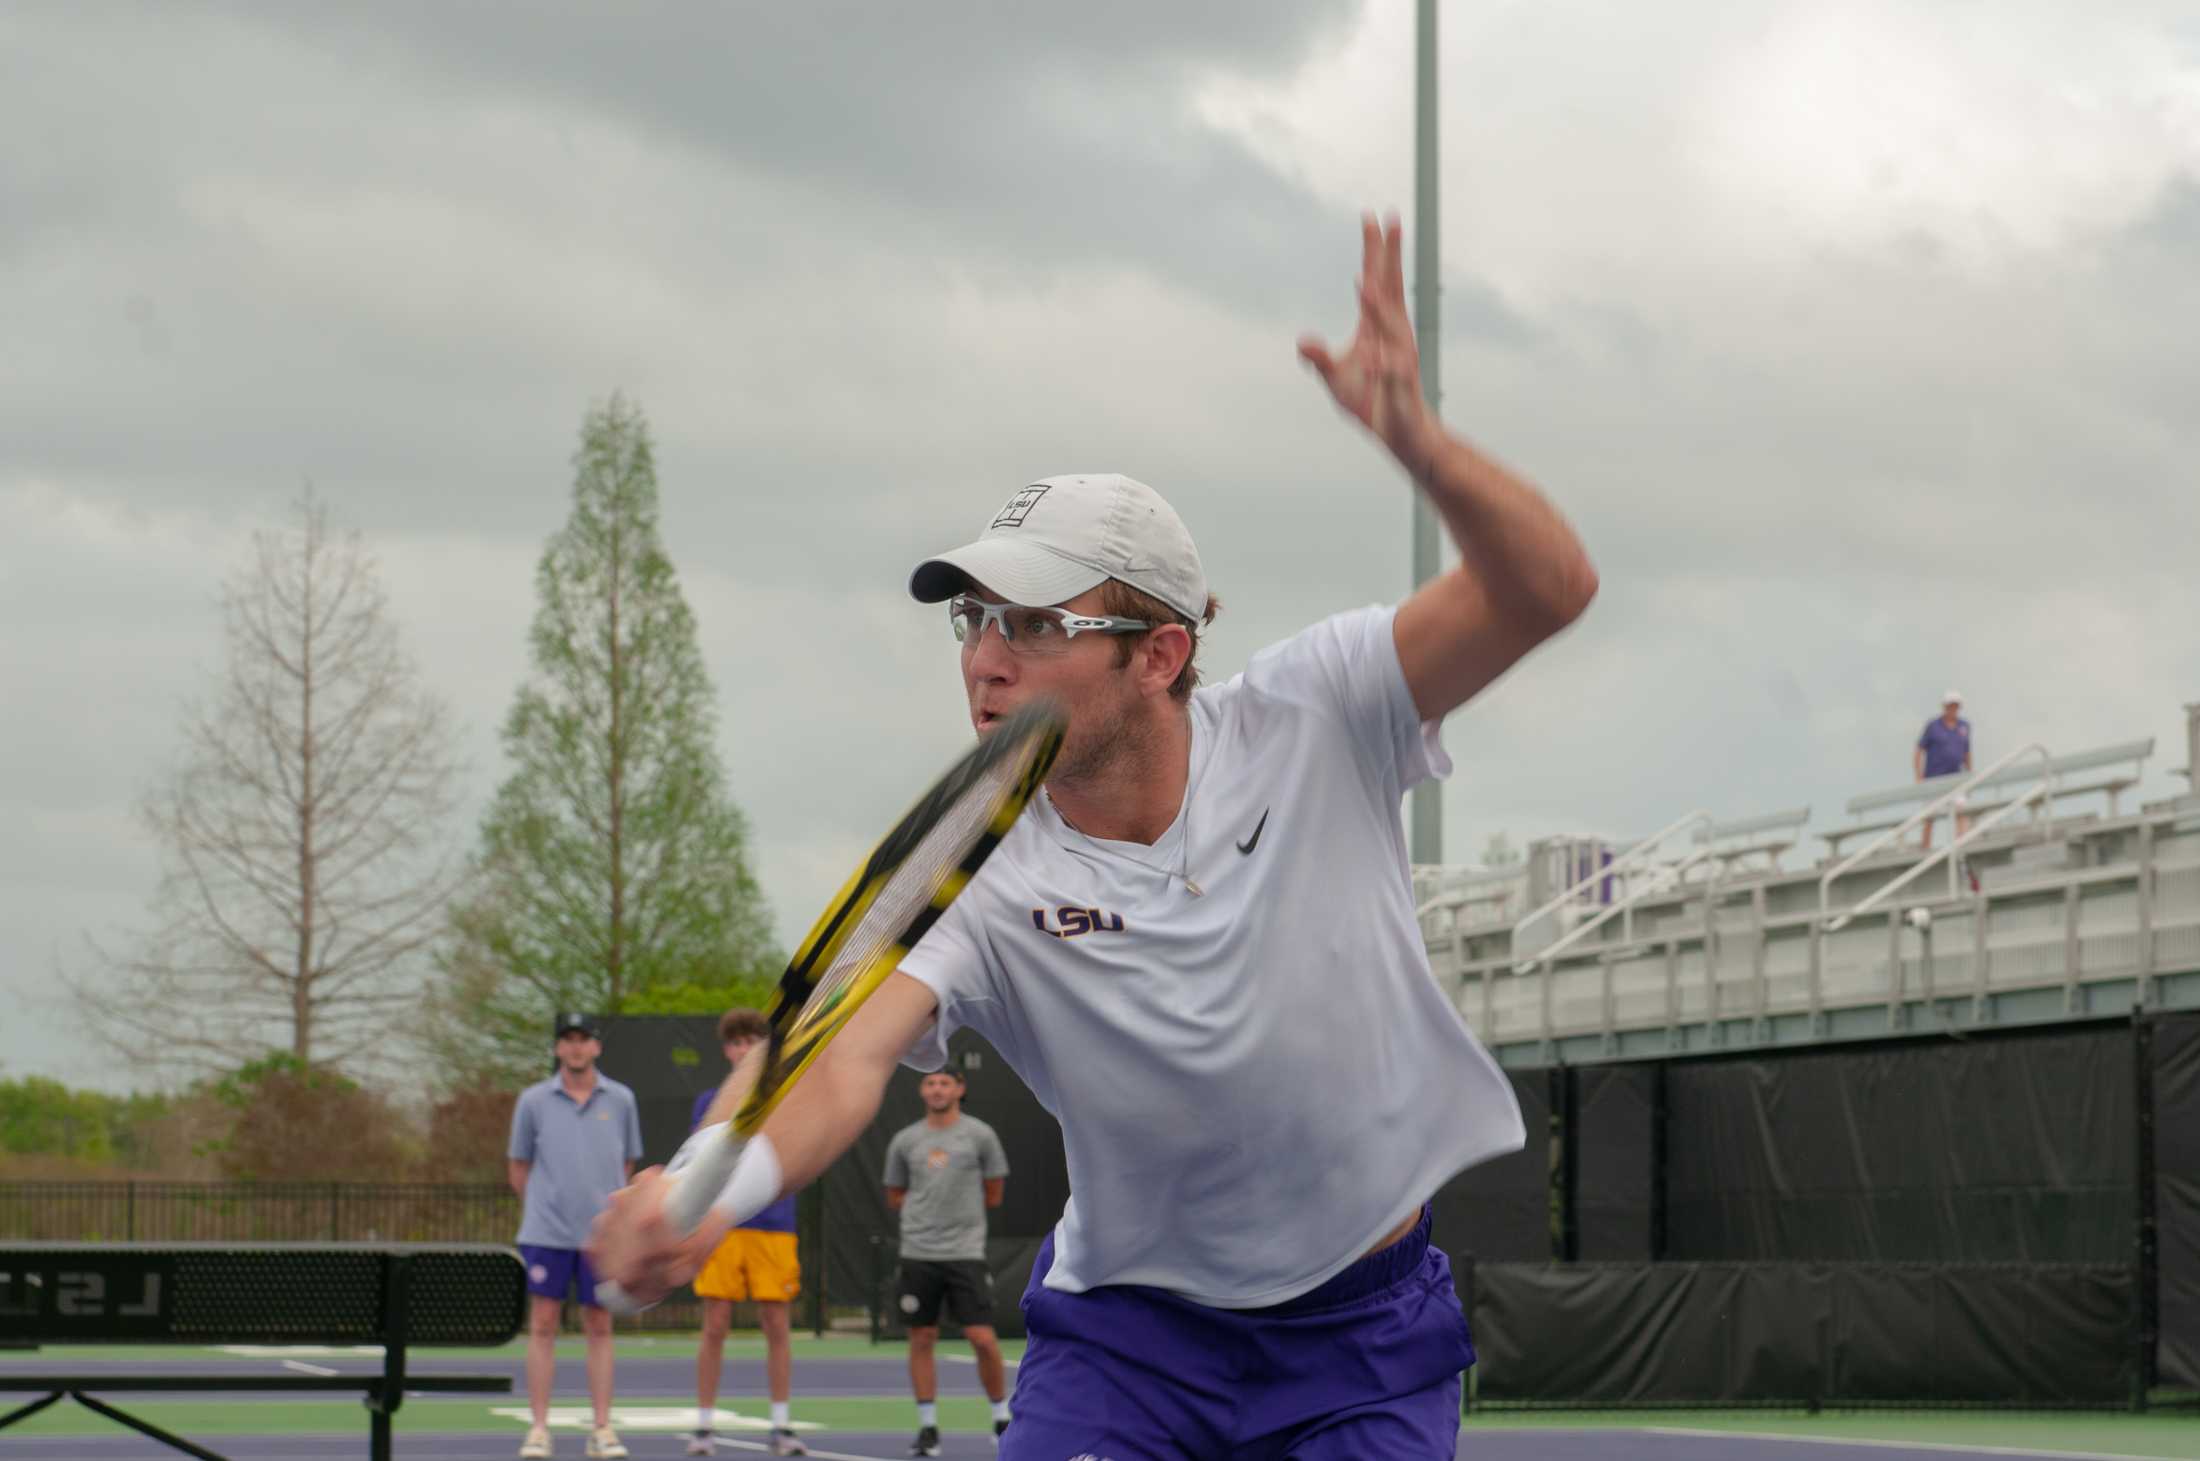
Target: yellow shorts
[751,1265]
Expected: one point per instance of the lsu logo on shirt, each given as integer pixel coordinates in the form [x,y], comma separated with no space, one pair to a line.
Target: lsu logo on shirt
[1074,922]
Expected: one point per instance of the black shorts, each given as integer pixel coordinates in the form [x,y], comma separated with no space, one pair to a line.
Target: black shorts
[965,1284]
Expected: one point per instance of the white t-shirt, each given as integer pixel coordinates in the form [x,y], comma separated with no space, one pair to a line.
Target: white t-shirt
[1255,1084]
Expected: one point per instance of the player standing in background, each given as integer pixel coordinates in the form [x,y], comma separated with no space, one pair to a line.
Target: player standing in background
[575,1140]
[756,1262]
[942,1174]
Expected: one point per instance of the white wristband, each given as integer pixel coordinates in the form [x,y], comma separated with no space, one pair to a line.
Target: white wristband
[693,1147]
[754,1183]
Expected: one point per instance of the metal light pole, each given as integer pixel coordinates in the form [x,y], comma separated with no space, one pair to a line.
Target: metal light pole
[1427,841]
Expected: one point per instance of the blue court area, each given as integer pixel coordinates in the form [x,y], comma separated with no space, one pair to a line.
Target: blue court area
[852,1401]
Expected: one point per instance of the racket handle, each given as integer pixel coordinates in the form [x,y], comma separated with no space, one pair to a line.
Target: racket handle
[616,1300]
[695,1177]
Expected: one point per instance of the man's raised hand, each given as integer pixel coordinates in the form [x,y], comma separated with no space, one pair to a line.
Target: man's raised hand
[1377,378]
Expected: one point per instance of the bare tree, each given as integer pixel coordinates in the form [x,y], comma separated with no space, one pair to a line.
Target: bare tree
[305,866]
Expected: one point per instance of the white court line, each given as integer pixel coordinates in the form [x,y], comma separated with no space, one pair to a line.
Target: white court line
[814,1451]
[971,1359]
[1955,1447]
[305,1369]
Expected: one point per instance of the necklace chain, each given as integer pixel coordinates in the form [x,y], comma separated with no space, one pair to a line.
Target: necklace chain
[1184,848]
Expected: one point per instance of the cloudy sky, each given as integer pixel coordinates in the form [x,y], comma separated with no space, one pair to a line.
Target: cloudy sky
[1855,337]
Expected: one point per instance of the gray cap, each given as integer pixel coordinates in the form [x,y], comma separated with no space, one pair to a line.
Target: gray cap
[1063,535]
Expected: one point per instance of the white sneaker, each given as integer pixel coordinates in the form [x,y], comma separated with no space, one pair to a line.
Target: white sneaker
[702,1443]
[785,1442]
[537,1445]
[604,1442]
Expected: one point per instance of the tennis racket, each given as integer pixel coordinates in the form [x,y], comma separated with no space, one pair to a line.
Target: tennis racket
[909,879]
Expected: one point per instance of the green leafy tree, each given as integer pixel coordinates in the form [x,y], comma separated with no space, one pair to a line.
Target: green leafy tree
[40,1117]
[613,861]
[691,998]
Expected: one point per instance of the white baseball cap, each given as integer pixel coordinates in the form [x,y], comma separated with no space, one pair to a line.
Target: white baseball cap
[1063,535]
[1953,697]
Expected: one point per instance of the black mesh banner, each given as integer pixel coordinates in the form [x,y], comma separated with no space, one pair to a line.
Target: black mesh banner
[667,1060]
[1501,1210]
[2177,1197]
[1614,1171]
[2017,1149]
[1761,1334]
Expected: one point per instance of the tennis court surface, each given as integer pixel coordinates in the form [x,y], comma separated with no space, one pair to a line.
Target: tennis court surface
[852,1400]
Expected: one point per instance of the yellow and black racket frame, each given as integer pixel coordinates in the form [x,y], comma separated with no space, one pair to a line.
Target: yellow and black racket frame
[1029,740]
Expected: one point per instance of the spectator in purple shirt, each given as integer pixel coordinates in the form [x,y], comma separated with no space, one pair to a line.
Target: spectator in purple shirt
[1943,750]
[756,1263]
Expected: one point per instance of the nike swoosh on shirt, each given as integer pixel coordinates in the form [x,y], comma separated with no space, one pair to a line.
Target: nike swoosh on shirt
[1253,841]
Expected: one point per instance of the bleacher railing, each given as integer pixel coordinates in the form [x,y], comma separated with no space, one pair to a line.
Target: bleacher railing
[1644,858]
[1948,803]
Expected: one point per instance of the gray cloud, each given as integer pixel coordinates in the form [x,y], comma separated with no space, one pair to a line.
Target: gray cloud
[868,268]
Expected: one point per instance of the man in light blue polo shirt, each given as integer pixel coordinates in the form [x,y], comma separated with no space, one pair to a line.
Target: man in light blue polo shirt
[575,1140]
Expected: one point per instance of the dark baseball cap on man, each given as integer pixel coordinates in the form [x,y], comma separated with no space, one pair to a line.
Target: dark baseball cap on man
[574,1020]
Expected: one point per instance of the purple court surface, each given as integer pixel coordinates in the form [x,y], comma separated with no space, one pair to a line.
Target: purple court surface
[666,1379]
[1477,1445]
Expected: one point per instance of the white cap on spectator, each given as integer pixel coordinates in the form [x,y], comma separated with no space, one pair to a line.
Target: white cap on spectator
[1953,697]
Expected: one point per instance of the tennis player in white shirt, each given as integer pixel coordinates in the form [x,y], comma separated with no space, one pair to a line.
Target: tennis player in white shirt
[1199,951]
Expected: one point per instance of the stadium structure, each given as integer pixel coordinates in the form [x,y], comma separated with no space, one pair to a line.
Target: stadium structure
[2056,903]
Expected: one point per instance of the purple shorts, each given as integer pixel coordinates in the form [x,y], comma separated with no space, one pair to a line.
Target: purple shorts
[552,1272]
[1366,1365]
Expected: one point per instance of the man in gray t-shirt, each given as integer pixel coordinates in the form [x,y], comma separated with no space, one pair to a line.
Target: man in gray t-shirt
[942,1173]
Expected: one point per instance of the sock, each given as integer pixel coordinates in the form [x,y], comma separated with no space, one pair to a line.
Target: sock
[928,1413]
[1000,1410]
[779,1414]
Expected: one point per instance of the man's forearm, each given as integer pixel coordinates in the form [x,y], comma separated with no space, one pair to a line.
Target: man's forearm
[1519,549]
[823,1116]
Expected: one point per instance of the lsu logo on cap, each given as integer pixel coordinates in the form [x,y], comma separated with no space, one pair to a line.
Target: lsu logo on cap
[1019,507]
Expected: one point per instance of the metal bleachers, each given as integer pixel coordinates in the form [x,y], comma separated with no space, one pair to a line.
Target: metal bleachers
[2055,903]
[2112,770]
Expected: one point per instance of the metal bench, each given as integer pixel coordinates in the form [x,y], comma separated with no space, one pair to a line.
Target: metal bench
[256,1293]
[2111,769]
